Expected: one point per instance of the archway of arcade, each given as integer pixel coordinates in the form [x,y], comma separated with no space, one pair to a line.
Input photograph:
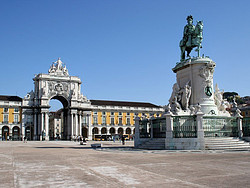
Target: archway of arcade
[5,133]
[58,118]
[16,133]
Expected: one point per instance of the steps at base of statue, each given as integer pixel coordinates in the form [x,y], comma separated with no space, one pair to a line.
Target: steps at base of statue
[227,143]
[153,144]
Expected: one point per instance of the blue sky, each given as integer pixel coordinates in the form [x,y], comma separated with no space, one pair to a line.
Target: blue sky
[121,49]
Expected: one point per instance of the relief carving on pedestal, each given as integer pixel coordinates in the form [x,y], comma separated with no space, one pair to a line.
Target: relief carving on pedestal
[206,72]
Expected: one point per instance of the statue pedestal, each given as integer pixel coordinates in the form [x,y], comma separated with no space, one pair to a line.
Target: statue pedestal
[198,73]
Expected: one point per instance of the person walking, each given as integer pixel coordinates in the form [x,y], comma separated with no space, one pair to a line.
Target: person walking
[123,140]
[25,140]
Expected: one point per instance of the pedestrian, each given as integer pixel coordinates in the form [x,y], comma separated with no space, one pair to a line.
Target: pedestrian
[24,140]
[123,140]
[113,138]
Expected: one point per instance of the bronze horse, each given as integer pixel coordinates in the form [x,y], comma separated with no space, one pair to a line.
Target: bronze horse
[196,40]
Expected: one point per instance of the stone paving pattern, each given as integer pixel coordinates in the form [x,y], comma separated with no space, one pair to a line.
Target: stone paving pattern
[69,164]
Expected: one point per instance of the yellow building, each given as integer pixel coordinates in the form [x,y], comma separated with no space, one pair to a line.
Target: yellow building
[10,117]
[117,117]
[105,119]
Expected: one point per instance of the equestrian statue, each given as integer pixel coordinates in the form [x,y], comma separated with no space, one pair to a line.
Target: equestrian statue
[192,37]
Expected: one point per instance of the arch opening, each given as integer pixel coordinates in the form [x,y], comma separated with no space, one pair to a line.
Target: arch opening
[62,99]
[120,131]
[58,118]
[85,132]
[5,133]
[16,133]
[104,130]
[128,131]
[112,130]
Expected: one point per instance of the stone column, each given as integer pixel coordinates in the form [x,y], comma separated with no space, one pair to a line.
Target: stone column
[42,125]
[62,124]
[239,121]
[152,128]
[77,127]
[240,132]
[46,125]
[169,125]
[89,124]
[10,132]
[137,132]
[200,131]
[116,130]
[199,120]
[170,140]
[72,126]
[69,126]
[39,126]
[23,126]
[80,118]
[35,126]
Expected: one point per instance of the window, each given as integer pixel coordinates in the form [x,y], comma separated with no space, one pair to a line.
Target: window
[5,118]
[120,113]
[95,113]
[120,121]
[16,110]
[112,113]
[128,121]
[95,120]
[128,114]
[84,120]
[104,120]
[103,113]
[6,109]
[16,118]
[29,119]
[112,120]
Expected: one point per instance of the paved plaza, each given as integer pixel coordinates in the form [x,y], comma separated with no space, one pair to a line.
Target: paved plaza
[69,164]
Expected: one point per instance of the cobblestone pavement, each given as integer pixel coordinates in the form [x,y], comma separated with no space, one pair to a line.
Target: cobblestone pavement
[69,164]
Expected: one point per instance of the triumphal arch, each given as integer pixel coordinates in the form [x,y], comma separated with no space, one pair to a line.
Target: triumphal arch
[57,84]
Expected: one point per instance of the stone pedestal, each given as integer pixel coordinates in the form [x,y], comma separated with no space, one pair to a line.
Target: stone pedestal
[198,74]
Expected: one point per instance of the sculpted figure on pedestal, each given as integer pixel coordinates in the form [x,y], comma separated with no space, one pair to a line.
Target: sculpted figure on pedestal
[186,93]
[221,103]
[180,97]
[176,106]
[175,92]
